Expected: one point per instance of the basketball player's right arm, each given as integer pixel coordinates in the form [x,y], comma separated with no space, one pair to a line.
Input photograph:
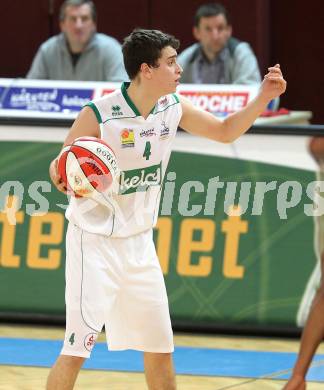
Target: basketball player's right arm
[199,122]
[86,124]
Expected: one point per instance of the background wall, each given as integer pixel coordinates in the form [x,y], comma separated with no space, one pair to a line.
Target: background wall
[279,31]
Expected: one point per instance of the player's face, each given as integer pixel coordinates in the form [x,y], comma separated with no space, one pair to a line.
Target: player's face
[167,74]
[78,25]
[213,33]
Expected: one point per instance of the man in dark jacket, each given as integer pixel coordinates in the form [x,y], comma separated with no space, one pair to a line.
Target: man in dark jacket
[218,58]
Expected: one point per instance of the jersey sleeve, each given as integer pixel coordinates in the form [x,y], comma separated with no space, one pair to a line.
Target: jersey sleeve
[95,109]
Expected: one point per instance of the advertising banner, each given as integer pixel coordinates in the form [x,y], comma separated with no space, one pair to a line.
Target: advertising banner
[46,99]
[235,235]
[70,96]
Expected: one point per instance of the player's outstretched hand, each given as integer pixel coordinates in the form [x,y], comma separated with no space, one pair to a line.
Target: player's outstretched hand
[55,177]
[273,84]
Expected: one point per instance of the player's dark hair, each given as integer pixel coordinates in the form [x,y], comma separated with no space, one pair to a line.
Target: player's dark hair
[211,9]
[145,46]
[78,3]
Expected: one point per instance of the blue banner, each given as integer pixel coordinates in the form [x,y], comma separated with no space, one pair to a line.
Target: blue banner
[2,90]
[46,99]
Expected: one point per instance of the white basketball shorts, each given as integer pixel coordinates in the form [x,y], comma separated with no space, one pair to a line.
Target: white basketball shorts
[116,282]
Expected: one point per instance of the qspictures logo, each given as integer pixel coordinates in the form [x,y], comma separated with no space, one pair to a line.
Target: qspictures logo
[139,179]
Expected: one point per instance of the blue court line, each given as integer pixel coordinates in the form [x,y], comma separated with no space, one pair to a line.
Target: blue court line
[188,361]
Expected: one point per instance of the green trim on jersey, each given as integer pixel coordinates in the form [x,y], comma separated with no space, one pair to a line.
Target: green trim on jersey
[121,117]
[129,101]
[176,97]
[152,111]
[166,108]
[95,110]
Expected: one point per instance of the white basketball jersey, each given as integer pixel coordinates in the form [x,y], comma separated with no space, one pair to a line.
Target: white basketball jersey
[142,147]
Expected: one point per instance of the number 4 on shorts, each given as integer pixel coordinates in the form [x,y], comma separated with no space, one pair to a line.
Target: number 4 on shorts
[147,150]
[71,339]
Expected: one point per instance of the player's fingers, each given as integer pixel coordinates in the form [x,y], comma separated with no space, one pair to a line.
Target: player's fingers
[277,66]
[62,187]
[276,71]
[57,180]
[276,80]
[273,76]
[56,167]
[54,174]
[57,177]
[279,83]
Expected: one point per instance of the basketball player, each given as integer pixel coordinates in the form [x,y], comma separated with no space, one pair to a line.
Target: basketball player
[311,309]
[113,276]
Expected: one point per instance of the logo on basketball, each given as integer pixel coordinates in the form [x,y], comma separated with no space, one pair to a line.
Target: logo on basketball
[88,166]
[77,180]
[89,341]
[109,157]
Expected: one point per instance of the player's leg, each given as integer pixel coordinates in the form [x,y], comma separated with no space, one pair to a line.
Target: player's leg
[159,371]
[296,383]
[312,336]
[140,319]
[309,295]
[84,307]
[64,373]
[315,278]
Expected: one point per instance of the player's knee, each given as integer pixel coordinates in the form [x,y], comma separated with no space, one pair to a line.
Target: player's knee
[73,361]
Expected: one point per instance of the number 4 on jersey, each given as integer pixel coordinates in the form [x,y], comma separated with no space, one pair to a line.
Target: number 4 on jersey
[147,150]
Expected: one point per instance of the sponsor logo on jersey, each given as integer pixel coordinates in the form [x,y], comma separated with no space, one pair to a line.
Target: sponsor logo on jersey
[115,111]
[140,179]
[127,138]
[147,133]
[89,341]
[163,101]
[165,131]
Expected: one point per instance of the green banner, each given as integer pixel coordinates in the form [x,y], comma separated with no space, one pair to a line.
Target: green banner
[219,266]
[248,269]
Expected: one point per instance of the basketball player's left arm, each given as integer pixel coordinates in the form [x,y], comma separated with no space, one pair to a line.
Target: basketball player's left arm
[199,122]
[86,124]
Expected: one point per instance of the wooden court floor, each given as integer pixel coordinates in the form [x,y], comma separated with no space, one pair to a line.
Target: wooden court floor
[33,378]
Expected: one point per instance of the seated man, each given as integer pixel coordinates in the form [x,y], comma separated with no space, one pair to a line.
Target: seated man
[217,58]
[79,52]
